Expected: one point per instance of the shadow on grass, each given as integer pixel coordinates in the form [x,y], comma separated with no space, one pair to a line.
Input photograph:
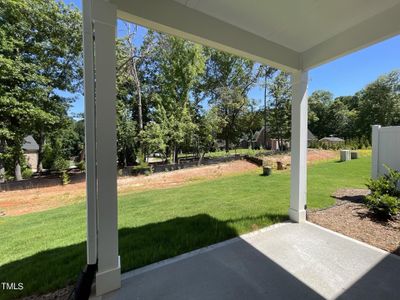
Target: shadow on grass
[54,269]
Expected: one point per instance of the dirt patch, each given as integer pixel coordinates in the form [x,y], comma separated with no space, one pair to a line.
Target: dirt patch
[352,218]
[14,203]
[313,156]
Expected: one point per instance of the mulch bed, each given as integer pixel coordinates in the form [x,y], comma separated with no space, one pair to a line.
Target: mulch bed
[61,294]
[349,216]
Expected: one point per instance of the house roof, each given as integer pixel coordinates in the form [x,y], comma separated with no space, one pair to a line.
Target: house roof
[30,144]
[331,139]
[291,35]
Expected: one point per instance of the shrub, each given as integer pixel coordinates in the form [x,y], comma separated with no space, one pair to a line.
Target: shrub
[27,173]
[384,198]
[383,205]
[60,164]
[81,165]
[65,179]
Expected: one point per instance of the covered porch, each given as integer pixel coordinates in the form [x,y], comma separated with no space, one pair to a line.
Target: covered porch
[294,36]
[283,261]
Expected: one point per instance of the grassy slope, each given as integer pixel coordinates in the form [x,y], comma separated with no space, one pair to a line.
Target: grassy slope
[158,224]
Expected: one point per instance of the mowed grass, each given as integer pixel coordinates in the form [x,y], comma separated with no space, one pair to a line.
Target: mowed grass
[45,251]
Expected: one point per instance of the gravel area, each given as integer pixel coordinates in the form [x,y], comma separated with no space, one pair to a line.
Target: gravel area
[352,218]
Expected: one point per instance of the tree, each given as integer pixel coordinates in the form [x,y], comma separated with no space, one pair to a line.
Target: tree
[210,126]
[379,103]
[126,135]
[280,107]
[40,52]
[179,64]
[267,72]
[132,69]
[318,116]
[225,85]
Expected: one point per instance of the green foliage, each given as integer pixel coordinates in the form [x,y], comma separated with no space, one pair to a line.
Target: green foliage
[352,144]
[61,164]
[65,178]
[143,168]
[225,83]
[384,199]
[383,205]
[27,173]
[280,109]
[154,138]
[40,55]
[380,103]
[351,117]
[81,165]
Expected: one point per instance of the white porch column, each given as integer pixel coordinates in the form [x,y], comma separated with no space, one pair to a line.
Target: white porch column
[101,152]
[298,180]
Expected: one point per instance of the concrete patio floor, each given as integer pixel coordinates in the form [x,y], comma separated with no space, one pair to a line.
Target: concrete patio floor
[284,261]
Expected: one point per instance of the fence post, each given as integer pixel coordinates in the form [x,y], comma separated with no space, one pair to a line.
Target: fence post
[375,151]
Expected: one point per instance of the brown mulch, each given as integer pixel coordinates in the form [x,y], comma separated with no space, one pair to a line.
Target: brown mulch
[61,294]
[352,218]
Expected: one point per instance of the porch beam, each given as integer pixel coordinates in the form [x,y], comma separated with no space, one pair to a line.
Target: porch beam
[180,20]
[367,33]
[298,181]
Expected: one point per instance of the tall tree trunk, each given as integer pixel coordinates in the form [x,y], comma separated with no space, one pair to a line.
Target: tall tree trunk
[175,154]
[202,154]
[17,170]
[135,76]
[2,169]
[17,160]
[265,110]
[125,157]
[227,144]
[40,142]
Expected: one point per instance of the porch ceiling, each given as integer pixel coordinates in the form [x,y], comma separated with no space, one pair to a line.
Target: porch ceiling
[291,35]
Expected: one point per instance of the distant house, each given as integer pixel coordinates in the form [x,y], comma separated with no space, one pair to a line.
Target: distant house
[259,141]
[331,140]
[31,152]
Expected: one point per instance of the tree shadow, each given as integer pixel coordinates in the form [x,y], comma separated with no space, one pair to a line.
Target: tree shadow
[138,246]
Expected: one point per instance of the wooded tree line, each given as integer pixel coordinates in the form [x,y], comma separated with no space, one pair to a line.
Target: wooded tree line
[173,95]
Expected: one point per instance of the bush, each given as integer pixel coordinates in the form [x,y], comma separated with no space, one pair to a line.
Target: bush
[81,165]
[384,199]
[383,205]
[65,178]
[27,173]
[61,164]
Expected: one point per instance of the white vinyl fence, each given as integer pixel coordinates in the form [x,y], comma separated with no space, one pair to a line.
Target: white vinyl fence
[385,149]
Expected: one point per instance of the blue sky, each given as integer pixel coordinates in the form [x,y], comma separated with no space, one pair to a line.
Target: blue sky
[344,76]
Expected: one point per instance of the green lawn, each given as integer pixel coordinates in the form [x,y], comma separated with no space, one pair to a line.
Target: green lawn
[46,250]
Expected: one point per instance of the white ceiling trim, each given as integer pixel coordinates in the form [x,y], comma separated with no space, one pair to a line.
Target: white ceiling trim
[369,32]
[171,17]
[178,19]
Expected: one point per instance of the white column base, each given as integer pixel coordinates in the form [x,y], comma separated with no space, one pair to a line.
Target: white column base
[298,216]
[109,280]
